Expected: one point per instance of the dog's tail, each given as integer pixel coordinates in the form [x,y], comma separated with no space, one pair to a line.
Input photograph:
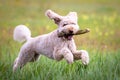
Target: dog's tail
[21,33]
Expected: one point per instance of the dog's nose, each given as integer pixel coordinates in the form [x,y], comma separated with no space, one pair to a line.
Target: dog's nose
[70,31]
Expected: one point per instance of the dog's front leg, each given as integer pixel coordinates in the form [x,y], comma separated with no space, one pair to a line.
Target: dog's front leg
[79,54]
[83,55]
[63,53]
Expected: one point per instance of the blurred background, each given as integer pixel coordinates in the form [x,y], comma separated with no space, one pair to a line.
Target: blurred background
[100,16]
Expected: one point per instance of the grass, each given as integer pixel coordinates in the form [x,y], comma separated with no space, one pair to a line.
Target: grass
[102,67]
[102,43]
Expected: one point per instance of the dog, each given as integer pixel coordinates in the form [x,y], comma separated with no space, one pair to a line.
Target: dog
[52,44]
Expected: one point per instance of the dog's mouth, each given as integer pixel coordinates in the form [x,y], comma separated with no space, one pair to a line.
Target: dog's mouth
[68,36]
[65,35]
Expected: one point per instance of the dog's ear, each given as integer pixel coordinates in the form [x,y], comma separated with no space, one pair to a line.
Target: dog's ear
[52,15]
[73,15]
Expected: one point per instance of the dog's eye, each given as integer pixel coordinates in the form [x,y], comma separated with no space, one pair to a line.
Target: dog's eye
[64,25]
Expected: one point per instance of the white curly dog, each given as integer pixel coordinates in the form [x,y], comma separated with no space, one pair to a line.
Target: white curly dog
[51,45]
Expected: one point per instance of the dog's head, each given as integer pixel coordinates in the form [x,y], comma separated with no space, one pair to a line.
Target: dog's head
[67,25]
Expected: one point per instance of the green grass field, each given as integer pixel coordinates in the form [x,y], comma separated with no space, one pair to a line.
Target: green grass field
[102,17]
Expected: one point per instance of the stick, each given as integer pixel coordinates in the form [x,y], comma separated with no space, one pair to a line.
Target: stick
[79,32]
[82,31]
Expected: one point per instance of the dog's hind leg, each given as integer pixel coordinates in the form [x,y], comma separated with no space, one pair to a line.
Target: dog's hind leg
[23,58]
[35,57]
[15,65]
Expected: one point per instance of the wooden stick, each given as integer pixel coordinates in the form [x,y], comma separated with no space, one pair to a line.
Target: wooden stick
[82,31]
[79,32]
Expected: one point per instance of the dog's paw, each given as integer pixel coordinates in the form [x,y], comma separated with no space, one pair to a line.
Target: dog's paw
[85,57]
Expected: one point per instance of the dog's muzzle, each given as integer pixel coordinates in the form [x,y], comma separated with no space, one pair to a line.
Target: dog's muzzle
[67,36]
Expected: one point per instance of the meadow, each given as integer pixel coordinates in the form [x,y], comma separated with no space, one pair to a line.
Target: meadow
[102,17]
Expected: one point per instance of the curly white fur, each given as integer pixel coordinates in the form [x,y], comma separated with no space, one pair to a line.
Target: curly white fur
[21,33]
[50,45]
